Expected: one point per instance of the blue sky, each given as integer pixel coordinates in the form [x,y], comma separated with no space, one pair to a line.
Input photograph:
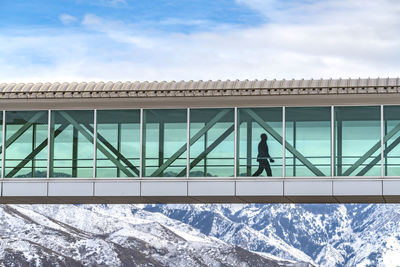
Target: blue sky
[102,40]
[171,16]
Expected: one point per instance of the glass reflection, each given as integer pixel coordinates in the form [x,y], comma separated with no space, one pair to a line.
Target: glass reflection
[357,141]
[391,140]
[26,144]
[252,123]
[164,142]
[71,148]
[308,141]
[211,142]
[118,143]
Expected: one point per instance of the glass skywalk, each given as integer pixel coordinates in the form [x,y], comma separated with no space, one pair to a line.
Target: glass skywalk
[342,141]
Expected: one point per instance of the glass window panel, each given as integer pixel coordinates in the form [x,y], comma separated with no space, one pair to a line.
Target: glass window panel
[252,123]
[118,143]
[391,133]
[308,132]
[26,144]
[357,141]
[164,142]
[212,142]
[71,139]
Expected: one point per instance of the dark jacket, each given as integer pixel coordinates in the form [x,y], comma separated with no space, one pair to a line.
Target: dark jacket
[262,151]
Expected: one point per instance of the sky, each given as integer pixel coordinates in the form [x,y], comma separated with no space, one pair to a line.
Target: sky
[156,40]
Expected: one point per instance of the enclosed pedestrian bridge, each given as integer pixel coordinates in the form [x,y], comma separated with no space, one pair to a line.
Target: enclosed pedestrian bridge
[193,142]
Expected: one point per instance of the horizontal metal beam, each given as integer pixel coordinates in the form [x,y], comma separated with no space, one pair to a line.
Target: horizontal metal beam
[200,190]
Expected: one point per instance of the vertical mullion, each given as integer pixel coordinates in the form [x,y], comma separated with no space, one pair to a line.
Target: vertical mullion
[332,141]
[48,142]
[51,141]
[75,136]
[283,141]
[249,152]
[338,147]
[235,144]
[94,141]
[294,145]
[161,145]
[3,141]
[141,145]
[205,148]
[119,129]
[187,142]
[34,129]
[385,157]
[382,173]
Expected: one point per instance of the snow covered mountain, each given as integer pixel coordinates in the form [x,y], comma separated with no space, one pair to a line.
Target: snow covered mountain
[329,235]
[200,235]
[112,235]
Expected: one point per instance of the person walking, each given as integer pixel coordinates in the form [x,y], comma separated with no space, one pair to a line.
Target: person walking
[263,156]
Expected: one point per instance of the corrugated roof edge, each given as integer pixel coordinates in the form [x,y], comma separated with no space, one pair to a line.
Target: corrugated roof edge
[198,88]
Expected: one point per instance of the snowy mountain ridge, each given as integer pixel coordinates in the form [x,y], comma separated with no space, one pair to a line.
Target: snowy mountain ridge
[200,235]
[325,234]
[112,235]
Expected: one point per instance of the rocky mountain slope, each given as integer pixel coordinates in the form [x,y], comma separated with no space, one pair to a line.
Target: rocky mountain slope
[200,235]
[329,235]
[113,235]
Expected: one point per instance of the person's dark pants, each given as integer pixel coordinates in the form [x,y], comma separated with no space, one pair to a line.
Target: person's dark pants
[263,165]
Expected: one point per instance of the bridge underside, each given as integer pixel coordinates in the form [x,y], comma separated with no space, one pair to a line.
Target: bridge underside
[224,190]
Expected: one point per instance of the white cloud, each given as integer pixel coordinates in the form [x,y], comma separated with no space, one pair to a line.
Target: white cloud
[186,22]
[111,3]
[325,39]
[92,20]
[117,31]
[67,19]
